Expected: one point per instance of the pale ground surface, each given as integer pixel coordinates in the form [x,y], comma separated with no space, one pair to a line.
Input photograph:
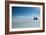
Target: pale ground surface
[25,22]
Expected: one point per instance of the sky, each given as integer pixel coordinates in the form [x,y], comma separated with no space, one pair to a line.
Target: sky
[25,11]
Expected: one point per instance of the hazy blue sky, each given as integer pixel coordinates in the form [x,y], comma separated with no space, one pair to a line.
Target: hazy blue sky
[25,11]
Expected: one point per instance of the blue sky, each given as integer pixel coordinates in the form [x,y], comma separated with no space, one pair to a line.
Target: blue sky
[25,11]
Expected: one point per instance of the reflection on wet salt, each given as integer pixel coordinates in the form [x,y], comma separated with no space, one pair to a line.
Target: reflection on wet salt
[25,22]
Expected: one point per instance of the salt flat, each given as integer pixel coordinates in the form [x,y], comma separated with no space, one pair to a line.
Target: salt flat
[25,22]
